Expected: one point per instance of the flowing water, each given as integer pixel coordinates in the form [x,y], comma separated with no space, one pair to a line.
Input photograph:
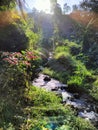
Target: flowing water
[82,103]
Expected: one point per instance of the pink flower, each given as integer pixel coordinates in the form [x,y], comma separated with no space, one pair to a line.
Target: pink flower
[30,53]
[5,53]
[5,59]
[15,54]
[11,60]
[30,56]
[26,63]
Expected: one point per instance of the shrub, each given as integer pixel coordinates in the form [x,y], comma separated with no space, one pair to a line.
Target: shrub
[81,77]
[13,38]
[61,49]
[51,116]
[41,97]
[81,124]
[66,60]
[16,35]
[73,47]
[14,80]
[25,62]
[75,81]
[94,90]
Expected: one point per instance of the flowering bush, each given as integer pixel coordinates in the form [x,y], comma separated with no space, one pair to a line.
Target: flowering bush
[17,58]
[16,69]
[19,67]
[23,61]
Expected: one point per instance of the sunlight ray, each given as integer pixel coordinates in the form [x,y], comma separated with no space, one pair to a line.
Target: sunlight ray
[43,5]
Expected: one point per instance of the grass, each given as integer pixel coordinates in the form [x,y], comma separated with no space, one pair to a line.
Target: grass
[42,115]
[94,90]
[62,76]
[37,110]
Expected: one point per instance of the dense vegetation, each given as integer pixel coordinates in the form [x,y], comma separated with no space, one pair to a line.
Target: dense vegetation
[23,49]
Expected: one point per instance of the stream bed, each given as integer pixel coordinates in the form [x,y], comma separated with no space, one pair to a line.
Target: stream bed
[85,106]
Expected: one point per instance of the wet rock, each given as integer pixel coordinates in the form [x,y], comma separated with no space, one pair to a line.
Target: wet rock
[63,86]
[47,79]
[96,109]
[92,116]
[78,104]
[48,83]
[88,108]
[66,96]
[76,95]
[54,89]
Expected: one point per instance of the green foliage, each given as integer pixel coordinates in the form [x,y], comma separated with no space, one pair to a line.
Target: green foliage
[81,69]
[33,37]
[92,55]
[8,127]
[61,48]
[89,5]
[83,58]
[62,54]
[51,116]
[25,62]
[49,72]
[23,106]
[57,118]
[16,71]
[36,109]
[12,38]
[6,4]
[14,79]
[81,124]
[67,61]
[94,90]
[75,81]
[41,97]
[53,123]
[46,110]
[74,48]
[66,45]
[64,127]
[68,68]
[60,75]
[68,48]
[17,35]
[81,76]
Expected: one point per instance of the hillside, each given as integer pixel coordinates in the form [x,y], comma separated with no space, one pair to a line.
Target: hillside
[46,23]
[68,25]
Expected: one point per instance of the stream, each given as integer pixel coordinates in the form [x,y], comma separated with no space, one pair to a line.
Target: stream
[85,106]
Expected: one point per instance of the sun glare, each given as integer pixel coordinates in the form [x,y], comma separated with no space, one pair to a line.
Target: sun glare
[43,5]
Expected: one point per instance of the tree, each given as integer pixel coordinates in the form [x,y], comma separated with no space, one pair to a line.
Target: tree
[53,3]
[57,10]
[90,5]
[75,7]
[89,38]
[66,8]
